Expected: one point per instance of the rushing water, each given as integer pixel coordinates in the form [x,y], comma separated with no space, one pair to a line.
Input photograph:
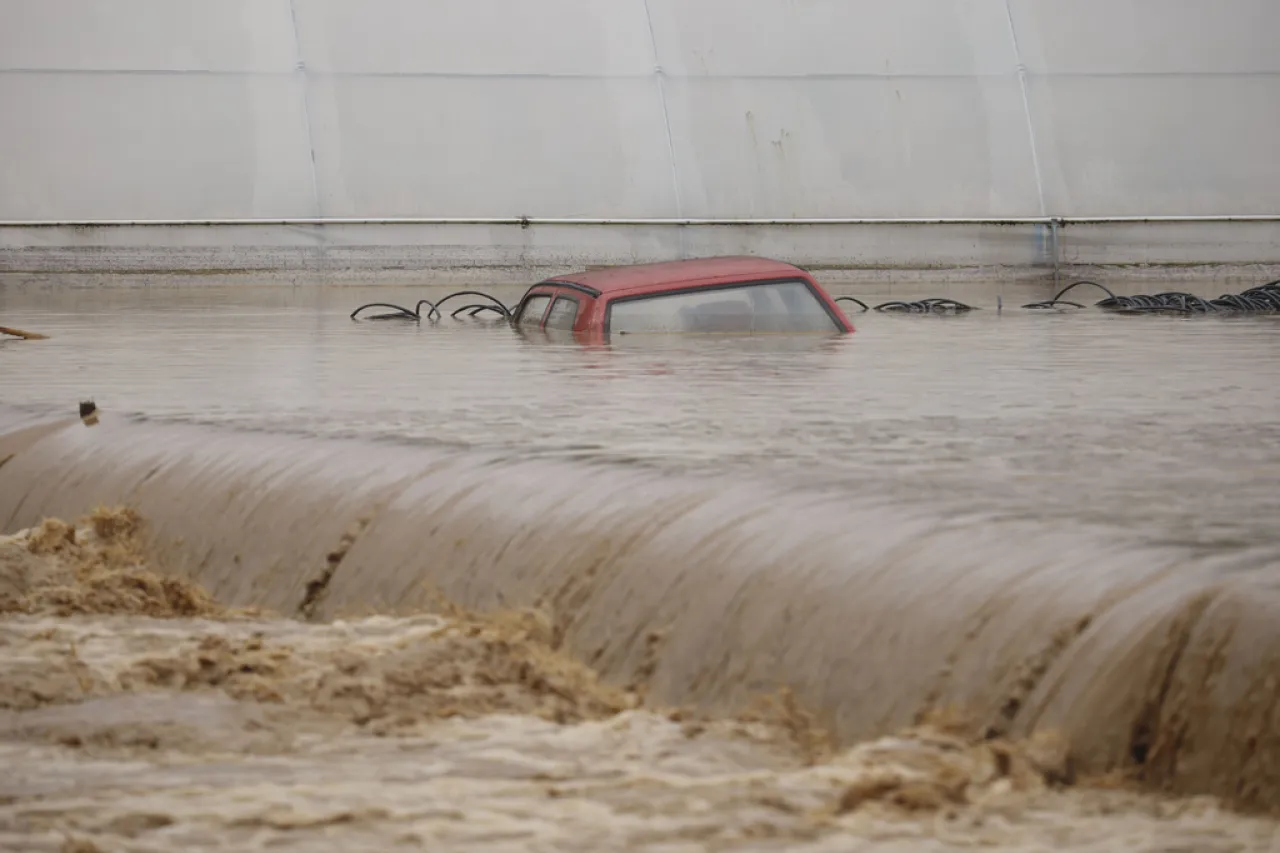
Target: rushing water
[778,519]
[1166,427]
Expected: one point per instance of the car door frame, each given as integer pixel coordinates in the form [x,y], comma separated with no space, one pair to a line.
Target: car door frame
[581,295]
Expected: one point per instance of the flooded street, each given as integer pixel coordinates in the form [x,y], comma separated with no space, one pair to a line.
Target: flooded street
[1165,427]
[991,554]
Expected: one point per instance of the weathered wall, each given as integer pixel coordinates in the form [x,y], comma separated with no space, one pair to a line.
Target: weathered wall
[200,109]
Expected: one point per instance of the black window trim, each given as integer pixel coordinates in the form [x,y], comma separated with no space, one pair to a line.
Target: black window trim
[524,301]
[572,285]
[552,283]
[728,285]
[577,310]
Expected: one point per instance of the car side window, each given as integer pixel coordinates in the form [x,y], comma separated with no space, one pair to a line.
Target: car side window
[531,311]
[564,313]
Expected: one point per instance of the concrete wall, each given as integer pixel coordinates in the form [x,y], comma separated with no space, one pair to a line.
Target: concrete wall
[208,109]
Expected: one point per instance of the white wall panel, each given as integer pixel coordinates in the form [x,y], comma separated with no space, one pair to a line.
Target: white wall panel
[148,35]
[765,108]
[860,147]
[1154,107]
[1146,37]
[1131,146]
[824,37]
[516,37]
[429,146]
[152,146]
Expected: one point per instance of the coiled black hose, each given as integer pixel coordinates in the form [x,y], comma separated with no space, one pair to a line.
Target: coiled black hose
[399,312]
[934,305]
[1264,298]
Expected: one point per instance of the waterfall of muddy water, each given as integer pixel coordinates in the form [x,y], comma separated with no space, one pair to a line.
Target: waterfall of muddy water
[139,714]
[711,590]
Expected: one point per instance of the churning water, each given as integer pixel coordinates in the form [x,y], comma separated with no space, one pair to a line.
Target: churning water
[1052,521]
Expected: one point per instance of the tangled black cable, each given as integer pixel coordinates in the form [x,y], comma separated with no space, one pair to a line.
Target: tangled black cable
[399,312]
[935,305]
[1264,298]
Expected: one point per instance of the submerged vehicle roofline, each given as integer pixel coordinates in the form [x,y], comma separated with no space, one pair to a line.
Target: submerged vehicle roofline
[629,277]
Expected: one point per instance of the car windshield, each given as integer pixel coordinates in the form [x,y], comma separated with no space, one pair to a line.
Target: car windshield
[779,306]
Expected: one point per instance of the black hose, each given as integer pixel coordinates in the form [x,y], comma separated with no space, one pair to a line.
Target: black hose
[1075,284]
[402,313]
[942,304]
[433,308]
[855,300]
[1264,298]
[1058,300]
[1052,303]
[475,309]
[934,305]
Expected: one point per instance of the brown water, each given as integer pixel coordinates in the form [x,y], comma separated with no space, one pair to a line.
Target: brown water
[1056,522]
[138,714]
[1167,428]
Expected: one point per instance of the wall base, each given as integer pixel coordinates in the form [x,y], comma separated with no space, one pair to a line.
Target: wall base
[1235,254]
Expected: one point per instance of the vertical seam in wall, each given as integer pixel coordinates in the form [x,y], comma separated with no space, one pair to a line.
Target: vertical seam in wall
[300,68]
[1026,106]
[666,114]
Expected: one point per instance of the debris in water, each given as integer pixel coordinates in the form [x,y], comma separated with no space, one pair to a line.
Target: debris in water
[19,333]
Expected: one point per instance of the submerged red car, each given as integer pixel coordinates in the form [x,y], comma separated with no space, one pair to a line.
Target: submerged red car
[726,295]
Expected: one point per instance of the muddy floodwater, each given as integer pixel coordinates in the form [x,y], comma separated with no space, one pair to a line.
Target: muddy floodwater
[1164,427]
[929,530]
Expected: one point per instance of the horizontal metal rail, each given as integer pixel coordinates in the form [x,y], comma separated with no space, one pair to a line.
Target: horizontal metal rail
[678,222]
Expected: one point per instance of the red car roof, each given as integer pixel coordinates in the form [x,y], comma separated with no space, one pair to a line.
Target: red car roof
[614,279]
